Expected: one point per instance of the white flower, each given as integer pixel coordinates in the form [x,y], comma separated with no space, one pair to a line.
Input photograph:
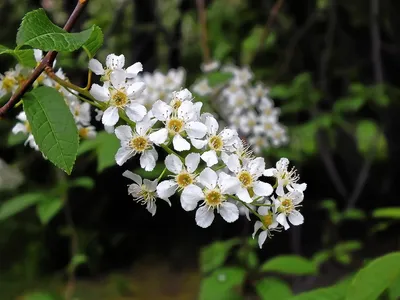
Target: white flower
[8,83]
[24,127]
[202,88]
[258,142]
[285,178]
[285,207]
[268,224]
[248,175]
[119,96]
[98,117]
[216,143]
[80,111]
[238,101]
[248,121]
[88,132]
[114,62]
[217,189]
[241,76]
[183,120]
[179,97]
[144,191]
[279,136]
[259,92]
[210,66]
[136,142]
[184,176]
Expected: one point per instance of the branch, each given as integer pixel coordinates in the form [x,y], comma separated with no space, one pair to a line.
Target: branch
[378,76]
[202,14]
[46,61]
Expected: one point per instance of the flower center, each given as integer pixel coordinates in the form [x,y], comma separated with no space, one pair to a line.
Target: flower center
[268,126]
[176,103]
[139,143]
[286,206]
[8,83]
[267,220]
[83,132]
[245,178]
[119,99]
[214,198]
[175,125]
[184,179]
[146,195]
[215,143]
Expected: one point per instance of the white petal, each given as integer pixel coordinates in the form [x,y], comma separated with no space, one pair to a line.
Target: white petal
[198,144]
[212,125]
[135,112]
[114,62]
[180,144]
[296,218]
[270,172]
[166,189]
[244,195]
[100,93]
[257,226]
[151,207]
[297,197]
[190,196]
[160,136]
[204,217]
[208,178]
[281,219]
[148,161]
[184,95]
[257,166]
[196,130]
[118,78]
[124,133]
[161,110]
[135,177]
[228,184]
[210,157]
[228,134]
[143,126]
[19,127]
[135,89]
[263,210]
[262,188]
[110,116]
[123,154]
[96,67]
[261,238]
[299,187]
[173,164]
[229,212]
[192,161]
[279,189]
[38,54]
[186,111]
[233,163]
[151,185]
[133,70]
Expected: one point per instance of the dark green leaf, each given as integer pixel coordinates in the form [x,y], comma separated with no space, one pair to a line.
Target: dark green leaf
[84,182]
[273,288]
[17,204]
[53,126]
[48,208]
[369,135]
[349,104]
[107,146]
[16,139]
[218,78]
[290,264]
[214,255]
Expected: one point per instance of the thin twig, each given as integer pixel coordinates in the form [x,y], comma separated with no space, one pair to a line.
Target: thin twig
[202,14]
[378,76]
[46,61]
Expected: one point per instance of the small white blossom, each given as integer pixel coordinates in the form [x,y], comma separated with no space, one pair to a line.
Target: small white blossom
[285,207]
[24,127]
[268,224]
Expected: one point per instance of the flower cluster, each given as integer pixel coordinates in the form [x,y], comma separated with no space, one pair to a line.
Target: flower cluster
[210,168]
[12,79]
[246,107]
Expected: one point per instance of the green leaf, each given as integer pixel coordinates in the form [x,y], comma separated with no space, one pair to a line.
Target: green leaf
[87,145]
[281,91]
[107,146]
[321,257]
[77,260]
[16,139]
[53,126]
[39,32]
[387,212]
[375,278]
[48,208]
[17,204]
[223,284]
[348,246]
[218,78]
[24,57]
[84,182]
[394,290]
[329,293]
[40,296]
[94,42]
[354,214]
[369,135]
[251,44]
[349,104]
[290,264]
[273,288]
[214,255]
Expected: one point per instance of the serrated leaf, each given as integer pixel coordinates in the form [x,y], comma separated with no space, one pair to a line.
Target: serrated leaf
[25,57]
[218,78]
[107,146]
[290,264]
[39,32]
[214,255]
[387,212]
[273,288]
[53,126]
[94,42]
[48,208]
[17,204]
[223,284]
[375,278]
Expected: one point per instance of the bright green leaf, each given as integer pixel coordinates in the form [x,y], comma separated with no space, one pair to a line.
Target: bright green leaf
[348,246]
[48,208]
[375,278]
[290,264]
[17,204]
[94,42]
[281,91]
[84,182]
[223,284]
[369,135]
[349,104]
[394,290]
[24,57]
[39,32]
[218,78]
[354,214]
[77,260]
[273,288]
[53,126]
[214,255]
[387,212]
[107,146]
[321,257]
